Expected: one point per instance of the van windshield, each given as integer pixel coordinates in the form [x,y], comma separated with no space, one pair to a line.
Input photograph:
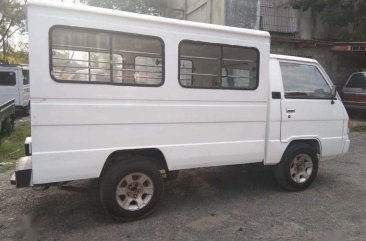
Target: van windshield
[357,80]
[7,78]
[303,81]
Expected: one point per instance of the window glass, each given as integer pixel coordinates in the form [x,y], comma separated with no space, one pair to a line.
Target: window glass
[206,61]
[92,56]
[148,70]
[205,65]
[25,77]
[240,68]
[303,81]
[186,68]
[7,78]
[357,80]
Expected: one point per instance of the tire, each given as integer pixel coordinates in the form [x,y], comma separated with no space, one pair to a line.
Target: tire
[7,126]
[298,167]
[139,184]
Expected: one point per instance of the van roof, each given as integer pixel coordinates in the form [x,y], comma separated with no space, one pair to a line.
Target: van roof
[23,66]
[292,58]
[143,17]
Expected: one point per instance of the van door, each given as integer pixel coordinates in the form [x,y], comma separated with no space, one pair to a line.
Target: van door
[8,87]
[307,110]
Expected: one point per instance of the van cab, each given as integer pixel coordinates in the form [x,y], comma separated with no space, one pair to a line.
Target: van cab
[14,84]
[161,95]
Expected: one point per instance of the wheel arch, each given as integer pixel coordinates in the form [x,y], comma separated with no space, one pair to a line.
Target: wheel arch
[155,154]
[313,142]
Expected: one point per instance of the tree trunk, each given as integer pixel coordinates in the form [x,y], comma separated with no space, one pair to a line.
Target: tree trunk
[4,52]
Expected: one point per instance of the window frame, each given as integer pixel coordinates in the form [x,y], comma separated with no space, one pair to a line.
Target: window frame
[221,45]
[325,77]
[110,33]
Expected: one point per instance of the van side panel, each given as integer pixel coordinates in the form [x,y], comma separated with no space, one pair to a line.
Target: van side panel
[75,127]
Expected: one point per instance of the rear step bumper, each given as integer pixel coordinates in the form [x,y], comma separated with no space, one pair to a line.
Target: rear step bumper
[22,177]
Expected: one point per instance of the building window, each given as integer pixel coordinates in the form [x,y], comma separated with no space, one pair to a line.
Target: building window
[303,81]
[92,56]
[7,78]
[217,66]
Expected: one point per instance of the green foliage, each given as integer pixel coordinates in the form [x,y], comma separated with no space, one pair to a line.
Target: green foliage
[12,20]
[348,17]
[151,7]
[12,147]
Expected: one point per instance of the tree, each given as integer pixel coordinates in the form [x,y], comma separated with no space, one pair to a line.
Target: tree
[151,7]
[348,17]
[12,20]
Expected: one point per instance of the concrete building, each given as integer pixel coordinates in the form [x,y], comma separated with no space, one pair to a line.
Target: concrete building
[238,13]
[293,32]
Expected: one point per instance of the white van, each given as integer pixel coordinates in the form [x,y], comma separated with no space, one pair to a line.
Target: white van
[14,84]
[160,95]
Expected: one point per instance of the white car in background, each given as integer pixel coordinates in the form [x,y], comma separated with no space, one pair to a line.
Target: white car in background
[14,84]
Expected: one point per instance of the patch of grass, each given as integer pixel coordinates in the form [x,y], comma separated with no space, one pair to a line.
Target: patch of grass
[358,128]
[12,147]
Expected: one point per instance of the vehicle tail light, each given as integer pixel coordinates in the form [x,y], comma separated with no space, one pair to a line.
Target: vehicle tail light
[349,124]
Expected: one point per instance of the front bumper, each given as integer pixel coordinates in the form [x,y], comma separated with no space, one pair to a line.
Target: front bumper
[346,146]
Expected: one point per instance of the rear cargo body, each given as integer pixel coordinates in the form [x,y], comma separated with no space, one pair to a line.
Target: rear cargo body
[76,126]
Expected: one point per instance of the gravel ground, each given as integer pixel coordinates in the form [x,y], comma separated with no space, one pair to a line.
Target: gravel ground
[226,203]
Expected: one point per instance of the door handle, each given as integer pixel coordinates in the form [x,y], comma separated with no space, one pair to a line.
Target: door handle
[290,110]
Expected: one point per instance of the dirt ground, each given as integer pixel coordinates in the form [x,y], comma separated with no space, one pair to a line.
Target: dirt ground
[226,203]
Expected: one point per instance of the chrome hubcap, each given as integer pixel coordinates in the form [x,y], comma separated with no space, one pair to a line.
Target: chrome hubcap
[301,168]
[134,191]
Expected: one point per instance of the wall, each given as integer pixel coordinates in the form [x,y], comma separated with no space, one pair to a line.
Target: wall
[206,11]
[244,14]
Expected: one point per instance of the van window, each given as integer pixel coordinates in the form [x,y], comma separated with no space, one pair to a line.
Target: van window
[218,66]
[357,80]
[25,77]
[7,78]
[92,56]
[303,81]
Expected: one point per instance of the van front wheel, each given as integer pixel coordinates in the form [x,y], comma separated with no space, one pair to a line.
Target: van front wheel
[298,167]
[131,189]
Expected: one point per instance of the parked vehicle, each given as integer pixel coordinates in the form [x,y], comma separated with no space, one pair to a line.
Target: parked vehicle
[14,84]
[186,96]
[354,92]
[7,117]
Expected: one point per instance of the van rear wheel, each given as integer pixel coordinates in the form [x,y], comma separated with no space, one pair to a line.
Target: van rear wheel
[131,189]
[298,167]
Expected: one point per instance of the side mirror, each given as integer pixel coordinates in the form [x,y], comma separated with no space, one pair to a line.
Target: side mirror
[333,93]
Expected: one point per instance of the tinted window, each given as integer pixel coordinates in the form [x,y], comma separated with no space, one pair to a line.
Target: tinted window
[303,81]
[92,56]
[206,65]
[25,76]
[357,80]
[7,78]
